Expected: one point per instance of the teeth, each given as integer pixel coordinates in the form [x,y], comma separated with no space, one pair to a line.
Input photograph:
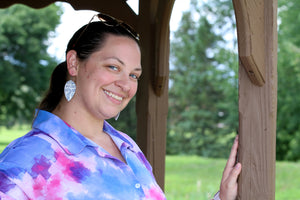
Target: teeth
[113,95]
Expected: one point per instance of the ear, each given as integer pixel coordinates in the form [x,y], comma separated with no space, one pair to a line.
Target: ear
[72,63]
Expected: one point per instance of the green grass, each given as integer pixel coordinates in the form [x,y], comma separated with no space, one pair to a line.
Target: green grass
[8,135]
[193,177]
[287,181]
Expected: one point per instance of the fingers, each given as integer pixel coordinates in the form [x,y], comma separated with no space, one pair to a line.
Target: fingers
[232,157]
[233,152]
[235,172]
[228,187]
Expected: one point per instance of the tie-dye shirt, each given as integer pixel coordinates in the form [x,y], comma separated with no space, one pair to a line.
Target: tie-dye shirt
[54,161]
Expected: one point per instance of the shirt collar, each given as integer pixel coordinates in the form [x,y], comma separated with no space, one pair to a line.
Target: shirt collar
[70,140]
[120,139]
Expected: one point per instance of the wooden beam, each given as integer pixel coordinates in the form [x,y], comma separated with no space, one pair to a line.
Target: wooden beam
[250,30]
[152,109]
[258,110]
[162,47]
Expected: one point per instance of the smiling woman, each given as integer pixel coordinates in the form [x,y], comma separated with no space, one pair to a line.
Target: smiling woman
[103,62]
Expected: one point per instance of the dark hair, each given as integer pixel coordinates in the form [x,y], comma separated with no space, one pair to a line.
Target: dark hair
[87,40]
[56,89]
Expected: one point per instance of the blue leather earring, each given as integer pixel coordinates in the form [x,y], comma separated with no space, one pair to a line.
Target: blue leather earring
[69,90]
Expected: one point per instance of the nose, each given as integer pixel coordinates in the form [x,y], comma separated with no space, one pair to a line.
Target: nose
[124,82]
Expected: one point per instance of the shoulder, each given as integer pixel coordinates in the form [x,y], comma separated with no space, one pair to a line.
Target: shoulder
[21,154]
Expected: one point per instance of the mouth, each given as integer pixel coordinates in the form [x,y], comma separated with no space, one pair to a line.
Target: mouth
[118,98]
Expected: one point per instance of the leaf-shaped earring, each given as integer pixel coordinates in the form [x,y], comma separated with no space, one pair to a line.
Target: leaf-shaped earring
[69,90]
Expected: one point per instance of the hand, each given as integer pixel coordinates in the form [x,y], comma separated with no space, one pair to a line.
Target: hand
[229,185]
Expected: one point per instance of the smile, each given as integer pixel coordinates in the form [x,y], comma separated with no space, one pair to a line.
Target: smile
[113,95]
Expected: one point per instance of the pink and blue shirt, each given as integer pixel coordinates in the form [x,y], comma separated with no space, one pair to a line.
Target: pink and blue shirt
[55,162]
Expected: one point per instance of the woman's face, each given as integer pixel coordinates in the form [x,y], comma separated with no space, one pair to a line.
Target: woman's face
[108,80]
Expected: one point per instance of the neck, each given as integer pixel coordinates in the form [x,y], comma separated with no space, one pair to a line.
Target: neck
[82,121]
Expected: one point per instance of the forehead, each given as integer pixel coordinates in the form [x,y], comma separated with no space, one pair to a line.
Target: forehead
[119,39]
[121,47]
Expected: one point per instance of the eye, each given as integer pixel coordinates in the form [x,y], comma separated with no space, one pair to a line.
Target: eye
[112,67]
[134,76]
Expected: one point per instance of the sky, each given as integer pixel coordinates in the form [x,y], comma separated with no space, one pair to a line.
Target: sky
[72,20]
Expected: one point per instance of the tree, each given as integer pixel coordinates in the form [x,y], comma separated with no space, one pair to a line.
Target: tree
[25,66]
[203,92]
[197,56]
[288,115]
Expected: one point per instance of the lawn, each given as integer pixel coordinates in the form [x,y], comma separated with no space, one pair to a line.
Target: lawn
[8,135]
[193,177]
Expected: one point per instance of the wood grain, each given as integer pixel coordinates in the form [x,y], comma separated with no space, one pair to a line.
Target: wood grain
[250,22]
[257,116]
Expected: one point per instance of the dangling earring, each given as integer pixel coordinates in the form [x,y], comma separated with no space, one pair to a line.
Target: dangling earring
[117,116]
[69,90]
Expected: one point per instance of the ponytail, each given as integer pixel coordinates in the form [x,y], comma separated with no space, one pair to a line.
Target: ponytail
[56,88]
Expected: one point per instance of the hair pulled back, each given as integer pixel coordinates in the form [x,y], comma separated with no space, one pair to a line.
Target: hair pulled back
[87,40]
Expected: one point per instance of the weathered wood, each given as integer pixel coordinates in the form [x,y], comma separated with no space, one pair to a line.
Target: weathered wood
[258,109]
[152,96]
[162,47]
[250,29]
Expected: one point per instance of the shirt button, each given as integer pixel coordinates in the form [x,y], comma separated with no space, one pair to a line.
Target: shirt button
[137,185]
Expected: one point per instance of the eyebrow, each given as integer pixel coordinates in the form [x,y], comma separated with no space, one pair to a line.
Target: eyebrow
[138,69]
[121,62]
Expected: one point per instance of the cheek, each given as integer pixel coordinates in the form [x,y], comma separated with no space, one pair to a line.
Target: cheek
[100,77]
[133,90]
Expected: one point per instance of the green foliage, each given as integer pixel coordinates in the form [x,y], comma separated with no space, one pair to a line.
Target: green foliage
[203,94]
[288,127]
[25,66]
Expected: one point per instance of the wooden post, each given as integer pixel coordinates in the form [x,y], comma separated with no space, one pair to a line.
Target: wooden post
[257,102]
[152,96]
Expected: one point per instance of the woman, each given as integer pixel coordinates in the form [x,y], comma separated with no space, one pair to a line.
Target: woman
[71,151]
